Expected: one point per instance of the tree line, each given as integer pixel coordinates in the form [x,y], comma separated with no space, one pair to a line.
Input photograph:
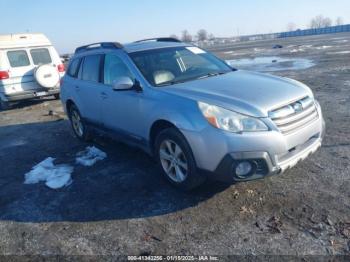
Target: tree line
[318,22]
[202,35]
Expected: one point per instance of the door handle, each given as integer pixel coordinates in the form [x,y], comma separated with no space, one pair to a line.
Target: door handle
[103,95]
[77,88]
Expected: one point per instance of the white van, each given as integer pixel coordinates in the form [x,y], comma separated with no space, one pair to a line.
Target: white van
[30,67]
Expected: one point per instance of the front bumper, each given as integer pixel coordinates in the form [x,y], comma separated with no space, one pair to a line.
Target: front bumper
[217,153]
[264,164]
[30,94]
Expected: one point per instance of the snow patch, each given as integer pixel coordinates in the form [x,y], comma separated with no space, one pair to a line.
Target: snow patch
[90,156]
[341,41]
[296,50]
[339,53]
[323,47]
[54,176]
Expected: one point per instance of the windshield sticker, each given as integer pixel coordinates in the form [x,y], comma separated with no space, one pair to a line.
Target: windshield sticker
[195,50]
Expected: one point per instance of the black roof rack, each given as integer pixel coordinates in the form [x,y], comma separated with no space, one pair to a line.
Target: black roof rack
[160,39]
[111,45]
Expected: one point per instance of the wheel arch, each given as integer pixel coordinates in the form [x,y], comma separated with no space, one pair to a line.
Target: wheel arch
[158,126]
[69,104]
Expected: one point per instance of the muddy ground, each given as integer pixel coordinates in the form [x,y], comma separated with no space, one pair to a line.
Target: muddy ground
[121,205]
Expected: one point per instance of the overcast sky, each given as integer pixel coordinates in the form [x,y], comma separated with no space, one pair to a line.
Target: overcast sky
[70,23]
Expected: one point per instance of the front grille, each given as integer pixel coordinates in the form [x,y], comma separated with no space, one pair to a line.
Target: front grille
[294,116]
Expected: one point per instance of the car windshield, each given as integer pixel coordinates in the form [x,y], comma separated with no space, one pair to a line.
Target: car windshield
[168,66]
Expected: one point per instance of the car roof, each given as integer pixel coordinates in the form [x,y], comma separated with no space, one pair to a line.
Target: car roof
[138,46]
[23,40]
[149,45]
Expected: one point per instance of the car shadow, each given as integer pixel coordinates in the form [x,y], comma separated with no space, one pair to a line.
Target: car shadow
[127,184]
[29,102]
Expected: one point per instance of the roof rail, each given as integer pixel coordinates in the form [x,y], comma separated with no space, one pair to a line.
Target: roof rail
[113,45]
[160,39]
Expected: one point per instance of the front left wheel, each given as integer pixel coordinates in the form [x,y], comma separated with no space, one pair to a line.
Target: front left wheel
[176,161]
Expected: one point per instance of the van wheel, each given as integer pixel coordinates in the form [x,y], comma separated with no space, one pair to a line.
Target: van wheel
[57,96]
[176,161]
[79,127]
[4,105]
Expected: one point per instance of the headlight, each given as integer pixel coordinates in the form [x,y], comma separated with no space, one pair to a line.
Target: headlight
[229,120]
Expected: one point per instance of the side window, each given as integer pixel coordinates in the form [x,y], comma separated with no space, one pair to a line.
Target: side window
[18,58]
[114,68]
[73,68]
[91,68]
[40,56]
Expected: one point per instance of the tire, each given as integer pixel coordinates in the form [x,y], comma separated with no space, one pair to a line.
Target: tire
[175,160]
[47,76]
[57,96]
[4,105]
[79,127]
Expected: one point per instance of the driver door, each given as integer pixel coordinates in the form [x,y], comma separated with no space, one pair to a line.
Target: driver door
[120,108]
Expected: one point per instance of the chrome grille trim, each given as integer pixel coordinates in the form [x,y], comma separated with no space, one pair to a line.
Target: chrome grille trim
[293,116]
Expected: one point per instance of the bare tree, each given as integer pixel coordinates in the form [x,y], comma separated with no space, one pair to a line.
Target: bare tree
[186,36]
[202,35]
[211,37]
[339,21]
[291,26]
[320,21]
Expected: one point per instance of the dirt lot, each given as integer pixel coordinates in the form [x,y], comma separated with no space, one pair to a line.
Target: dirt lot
[121,205]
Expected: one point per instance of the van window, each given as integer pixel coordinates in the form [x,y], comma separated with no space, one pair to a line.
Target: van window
[73,68]
[40,56]
[18,58]
[91,68]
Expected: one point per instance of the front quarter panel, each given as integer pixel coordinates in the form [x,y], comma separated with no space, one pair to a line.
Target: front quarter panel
[182,112]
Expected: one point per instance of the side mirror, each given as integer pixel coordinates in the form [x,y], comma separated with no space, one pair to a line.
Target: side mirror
[123,83]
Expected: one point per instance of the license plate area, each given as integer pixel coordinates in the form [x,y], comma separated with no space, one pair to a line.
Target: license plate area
[41,93]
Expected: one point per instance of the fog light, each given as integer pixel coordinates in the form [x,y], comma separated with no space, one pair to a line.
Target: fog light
[244,169]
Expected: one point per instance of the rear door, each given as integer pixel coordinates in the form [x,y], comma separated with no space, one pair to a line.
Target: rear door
[87,89]
[22,66]
[20,71]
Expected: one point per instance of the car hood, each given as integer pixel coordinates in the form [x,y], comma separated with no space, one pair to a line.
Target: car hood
[249,93]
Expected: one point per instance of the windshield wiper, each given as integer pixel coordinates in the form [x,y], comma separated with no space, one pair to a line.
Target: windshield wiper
[170,83]
[211,74]
[190,79]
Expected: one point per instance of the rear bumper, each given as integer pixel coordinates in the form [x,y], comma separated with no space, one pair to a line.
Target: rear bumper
[30,94]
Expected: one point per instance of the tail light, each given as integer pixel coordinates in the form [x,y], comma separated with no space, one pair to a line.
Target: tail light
[61,68]
[4,75]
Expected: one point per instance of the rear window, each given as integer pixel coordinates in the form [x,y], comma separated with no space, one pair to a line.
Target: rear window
[18,58]
[40,56]
[73,68]
[91,68]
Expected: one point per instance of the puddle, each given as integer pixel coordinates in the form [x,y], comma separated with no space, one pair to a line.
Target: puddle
[271,63]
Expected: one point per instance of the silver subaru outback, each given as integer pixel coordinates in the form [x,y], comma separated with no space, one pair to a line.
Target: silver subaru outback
[195,114]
